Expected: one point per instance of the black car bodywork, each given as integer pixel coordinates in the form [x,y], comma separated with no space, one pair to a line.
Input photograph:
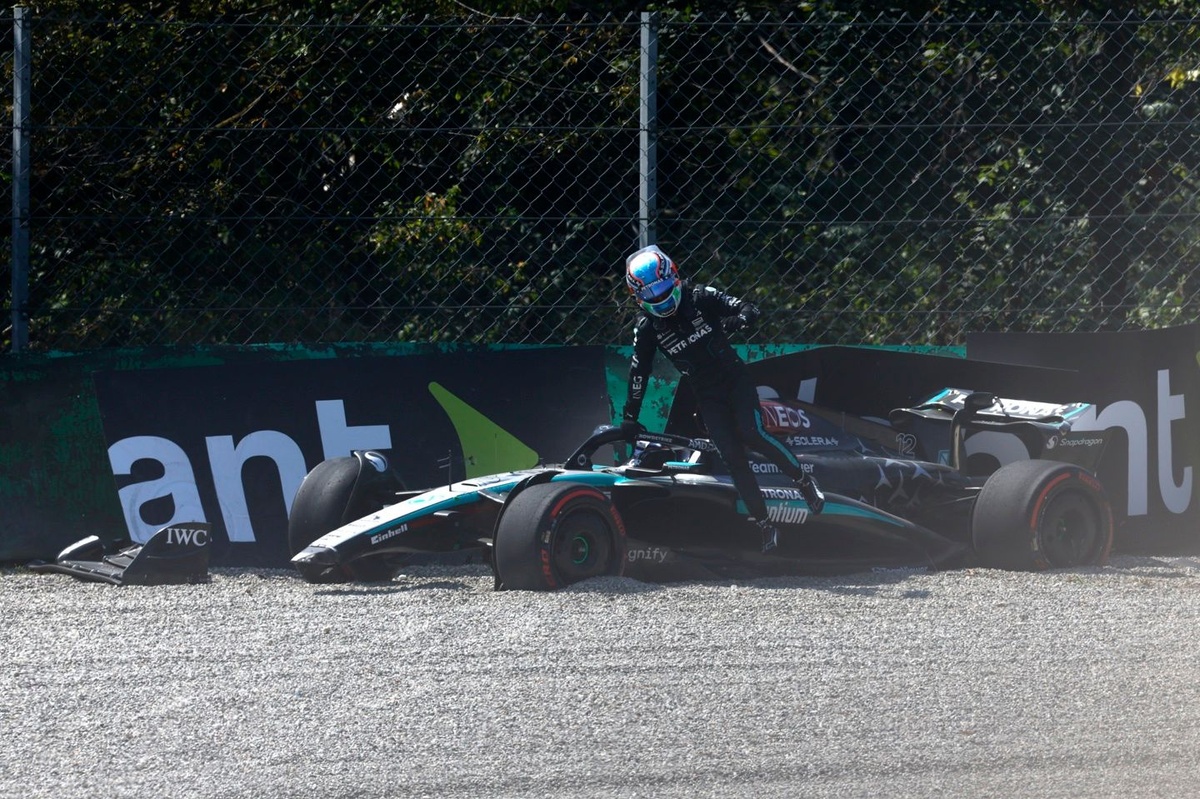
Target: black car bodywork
[964,478]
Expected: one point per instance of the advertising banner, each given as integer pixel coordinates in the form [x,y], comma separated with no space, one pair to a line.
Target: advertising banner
[230,444]
[1146,385]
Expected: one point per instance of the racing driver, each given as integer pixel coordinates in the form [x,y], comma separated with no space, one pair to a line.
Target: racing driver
[689,323]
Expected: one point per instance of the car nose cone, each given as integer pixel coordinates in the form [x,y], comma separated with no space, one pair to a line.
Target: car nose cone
[318,565]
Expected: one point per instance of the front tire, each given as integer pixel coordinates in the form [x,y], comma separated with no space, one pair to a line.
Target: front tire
[324,502]
[1039,514]
[338,491]
[554,534]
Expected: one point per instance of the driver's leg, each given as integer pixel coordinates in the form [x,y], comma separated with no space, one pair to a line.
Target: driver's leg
[722,431]
[754,436]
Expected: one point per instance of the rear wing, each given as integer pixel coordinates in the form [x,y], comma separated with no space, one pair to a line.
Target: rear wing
[950,401]
[985,430]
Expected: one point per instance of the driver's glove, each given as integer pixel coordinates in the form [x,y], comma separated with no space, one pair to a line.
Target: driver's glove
[732,324]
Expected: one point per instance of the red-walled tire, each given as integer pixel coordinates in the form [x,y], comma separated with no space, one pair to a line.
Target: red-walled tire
[554,534]
[1034,515]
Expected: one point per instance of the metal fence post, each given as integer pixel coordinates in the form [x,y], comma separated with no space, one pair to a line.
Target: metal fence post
[22,75]
[648,131]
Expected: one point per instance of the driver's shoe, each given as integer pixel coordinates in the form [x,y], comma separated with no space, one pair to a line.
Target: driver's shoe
[811,492]
[770,534]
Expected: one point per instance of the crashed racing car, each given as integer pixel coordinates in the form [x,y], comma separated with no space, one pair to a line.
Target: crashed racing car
[962,479]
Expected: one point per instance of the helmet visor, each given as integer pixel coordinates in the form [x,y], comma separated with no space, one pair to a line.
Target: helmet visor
[660,303]
[656,292]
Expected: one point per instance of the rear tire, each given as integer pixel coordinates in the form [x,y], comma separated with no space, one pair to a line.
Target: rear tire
[1038,514]
[554,534]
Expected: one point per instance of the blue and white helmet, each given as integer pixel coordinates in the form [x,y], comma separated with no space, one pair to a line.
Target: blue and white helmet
[654,281]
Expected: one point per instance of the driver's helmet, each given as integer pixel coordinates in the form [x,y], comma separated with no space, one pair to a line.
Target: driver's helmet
[654,281]
[652,454]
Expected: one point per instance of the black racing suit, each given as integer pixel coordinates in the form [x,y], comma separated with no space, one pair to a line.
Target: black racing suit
[695,341]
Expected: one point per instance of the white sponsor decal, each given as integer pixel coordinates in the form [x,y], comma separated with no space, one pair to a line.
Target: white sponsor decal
[379,538]
[782,493]
[652,554]
[700,333]
[786,417]
[787,514]
[188,536]
[811,441]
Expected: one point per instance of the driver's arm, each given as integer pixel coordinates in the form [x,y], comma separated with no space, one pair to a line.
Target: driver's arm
[734,312]
[645,341]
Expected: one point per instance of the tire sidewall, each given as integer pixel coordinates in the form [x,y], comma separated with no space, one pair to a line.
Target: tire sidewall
[1008,519]
[322,503]
[531,529]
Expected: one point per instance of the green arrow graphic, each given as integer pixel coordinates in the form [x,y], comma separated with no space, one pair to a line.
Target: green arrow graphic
[487,447]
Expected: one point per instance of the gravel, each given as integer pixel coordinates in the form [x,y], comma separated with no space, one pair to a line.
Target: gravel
[898,683]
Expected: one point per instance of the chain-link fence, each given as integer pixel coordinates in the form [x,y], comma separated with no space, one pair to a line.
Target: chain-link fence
[481,180]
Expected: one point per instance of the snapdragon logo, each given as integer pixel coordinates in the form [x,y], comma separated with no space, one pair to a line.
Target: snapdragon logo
[1078,442]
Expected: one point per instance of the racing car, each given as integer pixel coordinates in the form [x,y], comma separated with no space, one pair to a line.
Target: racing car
[965,478]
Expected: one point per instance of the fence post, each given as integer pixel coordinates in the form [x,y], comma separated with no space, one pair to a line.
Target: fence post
[648,131]
[22,75]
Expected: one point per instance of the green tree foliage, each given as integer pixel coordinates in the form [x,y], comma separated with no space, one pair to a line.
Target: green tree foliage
[289,179]
[244,172]
[915,179]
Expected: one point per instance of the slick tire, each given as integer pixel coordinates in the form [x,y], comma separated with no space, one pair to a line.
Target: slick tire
[323,502]
[1038,514]
[554,534]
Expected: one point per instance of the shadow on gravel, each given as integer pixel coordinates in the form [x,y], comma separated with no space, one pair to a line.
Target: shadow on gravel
[879,582]
[613,585]
[373,589]
[1155,565]
[867,583]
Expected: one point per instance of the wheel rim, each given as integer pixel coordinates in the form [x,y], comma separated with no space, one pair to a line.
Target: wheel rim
[1069,531]
[581,550]
[582,546]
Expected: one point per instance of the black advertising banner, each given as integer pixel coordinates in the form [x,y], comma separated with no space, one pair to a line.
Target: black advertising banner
[1146,385]
[870,381]
[230,444]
